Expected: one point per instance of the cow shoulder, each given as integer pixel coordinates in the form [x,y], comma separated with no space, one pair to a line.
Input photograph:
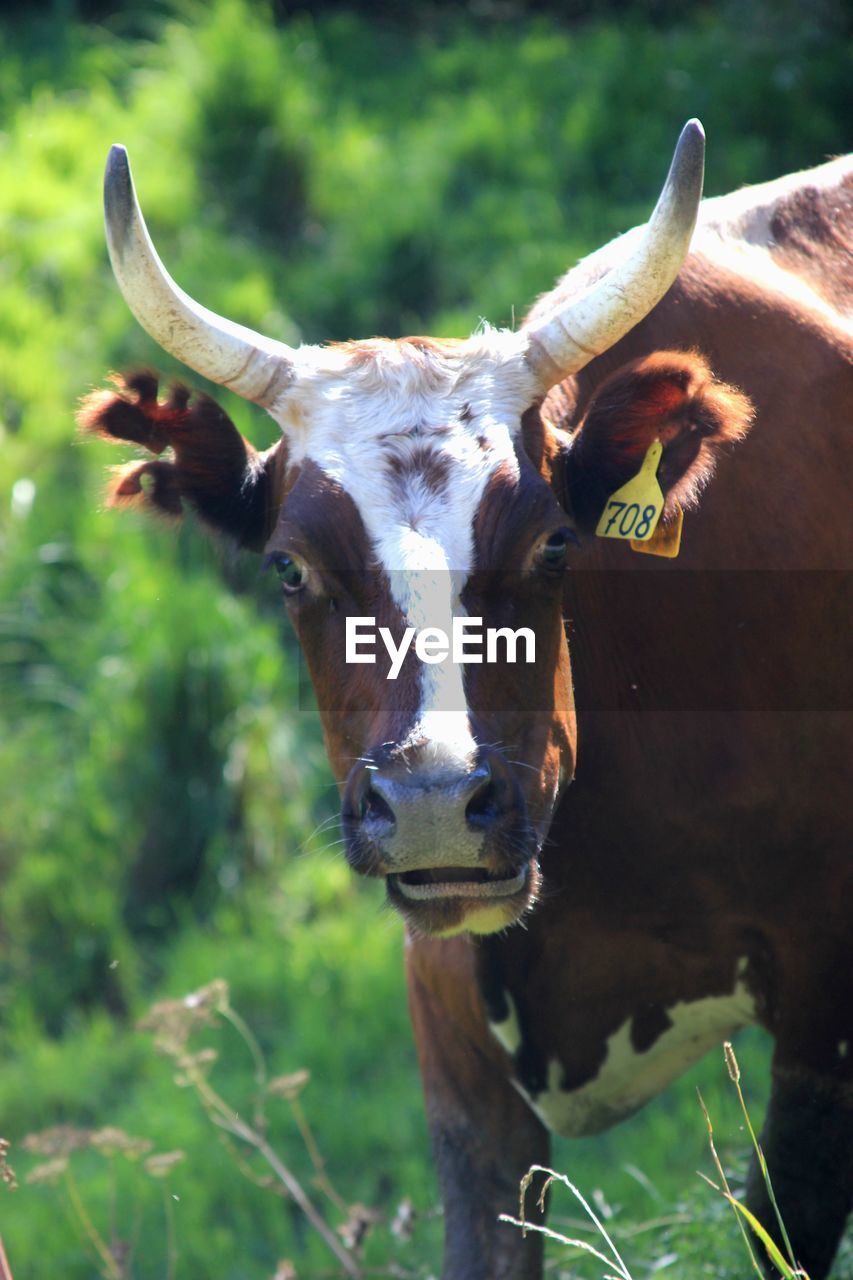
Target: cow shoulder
[670,396]
[811,234]
[209,466]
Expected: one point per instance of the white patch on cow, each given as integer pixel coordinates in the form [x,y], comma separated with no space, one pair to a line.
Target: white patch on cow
[627,1079]
[843,1048]
[446,734]
[747,214]
[756,261]
[508,1032]
[427,589]
[366,415]
[733,232]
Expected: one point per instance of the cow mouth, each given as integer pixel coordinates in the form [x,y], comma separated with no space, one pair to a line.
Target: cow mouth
[457,882]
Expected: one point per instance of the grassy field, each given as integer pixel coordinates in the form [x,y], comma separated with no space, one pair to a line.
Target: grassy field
[164,798]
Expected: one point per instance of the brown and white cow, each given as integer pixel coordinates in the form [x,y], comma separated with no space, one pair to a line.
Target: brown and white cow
[696,875]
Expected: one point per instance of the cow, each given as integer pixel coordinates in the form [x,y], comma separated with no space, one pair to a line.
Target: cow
[607,869]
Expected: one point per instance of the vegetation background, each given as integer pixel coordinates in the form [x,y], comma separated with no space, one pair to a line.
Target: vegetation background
[318,172]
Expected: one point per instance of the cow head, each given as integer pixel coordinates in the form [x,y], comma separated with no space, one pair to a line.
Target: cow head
[417,486]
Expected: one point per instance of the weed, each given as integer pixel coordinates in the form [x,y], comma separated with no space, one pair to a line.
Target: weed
[787,1267]
[173,1024]
[615,1259]
[58,1146]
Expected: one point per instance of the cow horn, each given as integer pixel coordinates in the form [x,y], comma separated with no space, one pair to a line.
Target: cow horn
[256,367]
[565,339]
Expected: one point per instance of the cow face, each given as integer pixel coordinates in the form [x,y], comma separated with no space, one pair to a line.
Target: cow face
[402,497]
[411,506]
[402,501]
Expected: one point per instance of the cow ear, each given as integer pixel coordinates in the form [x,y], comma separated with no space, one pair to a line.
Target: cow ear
[671,396]
[211,466]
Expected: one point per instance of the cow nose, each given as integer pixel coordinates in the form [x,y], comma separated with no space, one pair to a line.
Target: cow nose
[395,800]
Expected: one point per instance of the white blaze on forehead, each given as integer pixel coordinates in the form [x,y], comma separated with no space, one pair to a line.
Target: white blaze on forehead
[374,416]
[427,590]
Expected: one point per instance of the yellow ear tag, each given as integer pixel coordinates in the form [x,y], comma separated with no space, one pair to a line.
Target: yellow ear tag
[666,539]
[632,512]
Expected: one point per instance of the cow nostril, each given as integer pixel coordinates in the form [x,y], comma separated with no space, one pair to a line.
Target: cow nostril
[364,802]
[375,808]
[482,810]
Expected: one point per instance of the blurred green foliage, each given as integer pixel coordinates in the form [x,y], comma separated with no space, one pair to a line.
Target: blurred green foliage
[317,176]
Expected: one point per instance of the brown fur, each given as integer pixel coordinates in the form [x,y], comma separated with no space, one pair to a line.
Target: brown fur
[710,819]
[320,523]
[431,467]
[670,396]
[213,468]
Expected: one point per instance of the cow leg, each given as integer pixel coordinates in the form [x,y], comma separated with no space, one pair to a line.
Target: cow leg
[807,1140]
[484,1135]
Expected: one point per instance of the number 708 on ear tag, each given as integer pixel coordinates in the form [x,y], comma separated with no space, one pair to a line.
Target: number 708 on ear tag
[632,512]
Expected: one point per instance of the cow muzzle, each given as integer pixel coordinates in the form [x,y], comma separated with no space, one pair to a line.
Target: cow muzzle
[454,845]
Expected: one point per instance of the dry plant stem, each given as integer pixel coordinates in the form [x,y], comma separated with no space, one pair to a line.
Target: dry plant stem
[111,1270]
[265,1181]
[599,1225]
[625,1232]
[254,1048]
[322,1178]
[222,1115]
[295,1190]
[561,1239]
[134,1235]
[734,1075]
[726,1187]
[113,1198]
[169,1214]
[521,1221]
[5,1269]
[391,1272]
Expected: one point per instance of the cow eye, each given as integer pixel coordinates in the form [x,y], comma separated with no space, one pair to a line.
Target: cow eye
[291,574]
[553,552]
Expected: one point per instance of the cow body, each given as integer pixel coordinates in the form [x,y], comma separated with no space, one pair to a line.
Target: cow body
[698,869]
[696,875]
